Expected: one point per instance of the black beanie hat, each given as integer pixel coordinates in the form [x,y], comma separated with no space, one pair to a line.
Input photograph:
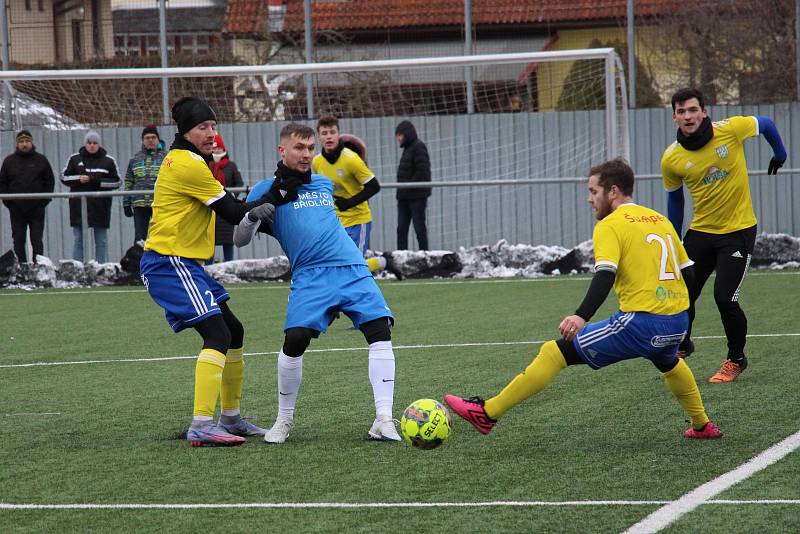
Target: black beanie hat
[150,129]
[24,135]
[190,111]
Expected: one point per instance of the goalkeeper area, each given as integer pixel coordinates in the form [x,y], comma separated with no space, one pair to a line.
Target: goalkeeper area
[96,391]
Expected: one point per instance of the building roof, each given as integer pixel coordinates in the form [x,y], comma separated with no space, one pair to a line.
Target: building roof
[179,19]
[250,16]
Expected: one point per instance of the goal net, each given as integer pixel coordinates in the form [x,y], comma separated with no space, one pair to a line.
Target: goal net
[536,116]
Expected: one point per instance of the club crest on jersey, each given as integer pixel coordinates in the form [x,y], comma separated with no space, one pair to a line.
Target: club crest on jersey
[722,151]
[340,173]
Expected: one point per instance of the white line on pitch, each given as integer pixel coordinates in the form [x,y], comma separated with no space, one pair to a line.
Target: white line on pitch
[670,513]
[23,414]
[344,349]
[285,286]
[173,506]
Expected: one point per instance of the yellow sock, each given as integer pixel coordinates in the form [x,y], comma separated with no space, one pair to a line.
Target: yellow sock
[207,381]
[680,381]
[537,376]
[232,379]
[374,264]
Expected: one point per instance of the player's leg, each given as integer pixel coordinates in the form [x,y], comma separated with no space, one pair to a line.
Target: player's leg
[553,356]
[100,244]
[681,383]
[418,207]
[733,259]
[290,375]
[233,380]
[378,334]
[36,225]
[19,233]
[700,249]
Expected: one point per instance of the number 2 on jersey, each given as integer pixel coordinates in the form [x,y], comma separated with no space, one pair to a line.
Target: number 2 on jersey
[667,256]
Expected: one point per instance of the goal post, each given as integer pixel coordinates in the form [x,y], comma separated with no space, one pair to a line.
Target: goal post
[531,82]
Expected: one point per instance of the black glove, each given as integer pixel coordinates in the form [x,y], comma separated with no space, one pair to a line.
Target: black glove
[263,212]
[283,191]
[774,165]
[343,204]
[128,211]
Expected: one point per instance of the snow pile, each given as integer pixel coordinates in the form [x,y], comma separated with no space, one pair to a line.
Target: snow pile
[774,251]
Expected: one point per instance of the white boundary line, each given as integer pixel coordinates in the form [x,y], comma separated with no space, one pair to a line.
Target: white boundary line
[670,513]
[285,285]
[351,505]
[345,349]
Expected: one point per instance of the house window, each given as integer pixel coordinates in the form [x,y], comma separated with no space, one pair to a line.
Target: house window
[41,5]
[77,47]
[27,5]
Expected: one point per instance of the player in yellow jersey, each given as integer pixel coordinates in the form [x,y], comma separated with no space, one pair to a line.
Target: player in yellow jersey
[186,201]
[709,159]
[353,185]
[638,253]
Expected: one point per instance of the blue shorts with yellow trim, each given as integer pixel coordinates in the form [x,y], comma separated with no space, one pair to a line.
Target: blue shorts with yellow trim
[359,233]
[631,335]
[182,287]
[317,293]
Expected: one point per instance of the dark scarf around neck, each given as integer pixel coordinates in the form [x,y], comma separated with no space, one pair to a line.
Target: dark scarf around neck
[699,138]
[283,173]
[180,143]
[332,156]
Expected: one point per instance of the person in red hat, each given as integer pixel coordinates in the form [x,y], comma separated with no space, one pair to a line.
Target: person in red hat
[227,173]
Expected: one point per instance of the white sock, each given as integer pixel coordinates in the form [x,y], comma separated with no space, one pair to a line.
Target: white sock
[290,374]
[232,412]
[200,420]
[381,375]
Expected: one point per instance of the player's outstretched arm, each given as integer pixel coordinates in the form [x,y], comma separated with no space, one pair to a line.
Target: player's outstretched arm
[767,127]
[258,218]
[600,286]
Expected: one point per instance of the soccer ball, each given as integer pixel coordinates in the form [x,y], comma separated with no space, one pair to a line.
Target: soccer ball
[426,424]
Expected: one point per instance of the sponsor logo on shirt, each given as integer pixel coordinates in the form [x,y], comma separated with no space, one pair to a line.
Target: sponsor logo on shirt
[714,175]
[663,294]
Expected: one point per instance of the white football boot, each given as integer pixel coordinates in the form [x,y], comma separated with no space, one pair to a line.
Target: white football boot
[279,431]
[383,429]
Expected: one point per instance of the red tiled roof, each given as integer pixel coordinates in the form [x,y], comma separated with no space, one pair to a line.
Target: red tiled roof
[248,16]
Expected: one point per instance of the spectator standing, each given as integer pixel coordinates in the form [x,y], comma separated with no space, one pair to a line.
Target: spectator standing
[141,176]
[226,173]
[91,169]
[26,171]
[414,166]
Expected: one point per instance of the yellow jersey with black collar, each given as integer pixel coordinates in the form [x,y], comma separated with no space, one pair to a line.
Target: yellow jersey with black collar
[716,176]
[349,174]
[182,222]
[641,246]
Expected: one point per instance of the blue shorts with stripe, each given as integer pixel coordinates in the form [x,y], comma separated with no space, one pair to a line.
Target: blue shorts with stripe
[182,287]
[631,335]
[359,233]
[317,293]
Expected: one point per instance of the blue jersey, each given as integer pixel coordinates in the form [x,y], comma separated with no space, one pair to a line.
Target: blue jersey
[308,229]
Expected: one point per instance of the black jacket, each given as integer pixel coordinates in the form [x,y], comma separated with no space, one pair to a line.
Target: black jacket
[415,164]
[104,176]
[223,231]
[26,172]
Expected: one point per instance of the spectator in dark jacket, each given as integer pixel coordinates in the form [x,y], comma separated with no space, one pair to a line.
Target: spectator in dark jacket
[227,173]
[91,169]
[26,171]
[141,176]
[414,166]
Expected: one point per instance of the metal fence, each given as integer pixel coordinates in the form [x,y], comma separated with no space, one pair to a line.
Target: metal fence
[537,209]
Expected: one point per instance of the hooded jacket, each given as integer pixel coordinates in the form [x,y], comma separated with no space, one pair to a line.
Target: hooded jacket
[415,164]
[26,172]
[104,176]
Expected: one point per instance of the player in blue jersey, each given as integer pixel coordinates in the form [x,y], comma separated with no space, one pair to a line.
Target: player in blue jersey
[329,275]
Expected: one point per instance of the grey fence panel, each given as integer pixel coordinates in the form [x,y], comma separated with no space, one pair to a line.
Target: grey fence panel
[464,147]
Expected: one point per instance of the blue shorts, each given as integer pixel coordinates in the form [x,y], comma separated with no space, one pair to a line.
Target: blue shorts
[182,287]
[359,233]
[317,293]
[632,335]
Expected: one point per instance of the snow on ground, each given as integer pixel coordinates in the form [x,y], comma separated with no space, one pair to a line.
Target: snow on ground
[501,260]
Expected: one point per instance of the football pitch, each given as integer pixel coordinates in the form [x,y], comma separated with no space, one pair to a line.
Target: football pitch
[96,391]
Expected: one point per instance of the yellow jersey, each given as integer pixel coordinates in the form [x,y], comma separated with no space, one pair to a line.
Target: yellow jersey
[348,174]
[182,222]
[716,176]
[641,246]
